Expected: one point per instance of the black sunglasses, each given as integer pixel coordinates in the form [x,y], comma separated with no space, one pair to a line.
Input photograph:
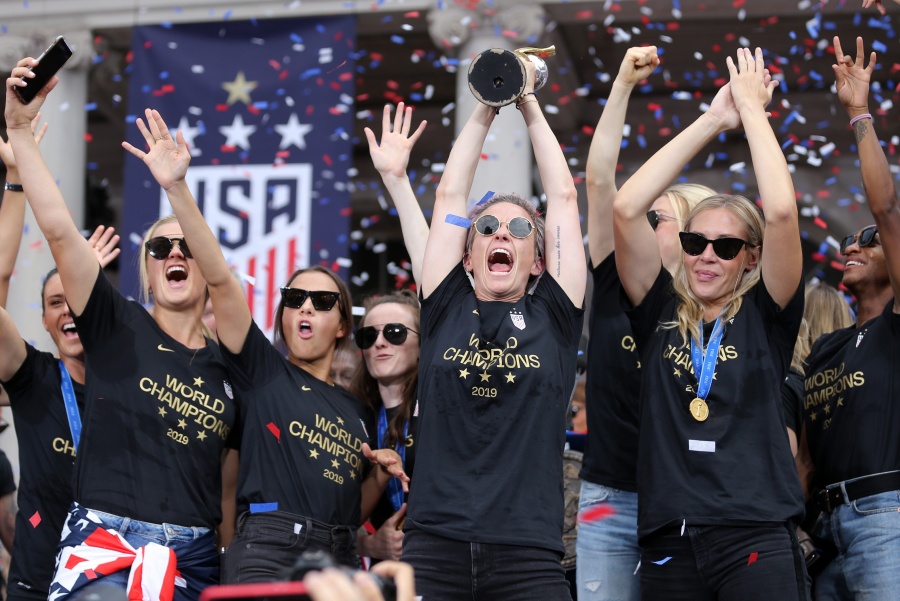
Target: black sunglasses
[865,237]
[519,227]
[725,248]
[395,333]
[160,247]
[322,300]
[655,216]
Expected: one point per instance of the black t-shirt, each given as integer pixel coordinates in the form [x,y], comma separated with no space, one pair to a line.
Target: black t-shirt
[385,509]
[301,439]
[613,386]
[736,467]
[46,457]
[852,400]
[156,420]
[494,382]
[792,400]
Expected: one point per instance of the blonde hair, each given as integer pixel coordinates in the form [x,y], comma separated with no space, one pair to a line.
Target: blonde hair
[825,311]
[689,314]
[684,197]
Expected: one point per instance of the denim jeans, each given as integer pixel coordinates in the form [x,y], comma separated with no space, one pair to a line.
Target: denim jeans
[195,550]
[452,570]
[267,545]
[867,535]
[608,551]
[724,563]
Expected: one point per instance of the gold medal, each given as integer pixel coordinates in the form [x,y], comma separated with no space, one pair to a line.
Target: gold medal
[699,409]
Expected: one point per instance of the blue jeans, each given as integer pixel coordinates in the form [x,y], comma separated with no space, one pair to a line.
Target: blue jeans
[608,551]
[866,533]
[267,546]
[195,550]
[450,570]
[724,563]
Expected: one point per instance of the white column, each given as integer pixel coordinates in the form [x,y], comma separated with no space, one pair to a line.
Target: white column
[508,166]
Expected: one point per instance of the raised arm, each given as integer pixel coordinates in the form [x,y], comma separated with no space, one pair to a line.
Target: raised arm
[447,238]
[563,250]
[603,156]
[781,261]
[78,268]
[12,347]
[168,161]
[637,252]
[12,213]
[853,91]
[391,159]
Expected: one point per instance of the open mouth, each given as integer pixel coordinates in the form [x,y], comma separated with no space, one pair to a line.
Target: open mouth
[853,264]
[70,331]
[176,273]
[305,330]
[500,261]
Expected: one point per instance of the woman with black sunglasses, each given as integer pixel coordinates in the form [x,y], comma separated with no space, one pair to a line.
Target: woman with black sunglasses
[717,485]
[387,380]
[158,408]
[497,367]
[851,397]
[303,480]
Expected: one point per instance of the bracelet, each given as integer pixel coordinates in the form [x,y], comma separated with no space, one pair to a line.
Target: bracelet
[13,187]
[525,98]
[860,118]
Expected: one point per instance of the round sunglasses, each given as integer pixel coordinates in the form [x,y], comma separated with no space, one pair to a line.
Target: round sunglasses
[322,300]
[518,227]
[865,237]
[655,216]
[395,333]
[725,248]
[160,247]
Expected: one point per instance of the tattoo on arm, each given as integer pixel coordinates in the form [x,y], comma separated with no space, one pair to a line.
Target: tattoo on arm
[558,252]
[861,128]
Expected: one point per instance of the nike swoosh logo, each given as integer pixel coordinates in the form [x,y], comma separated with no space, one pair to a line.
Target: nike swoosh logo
[305,388]
[162,348]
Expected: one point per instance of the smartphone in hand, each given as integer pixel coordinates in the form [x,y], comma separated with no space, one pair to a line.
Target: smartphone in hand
[49,63]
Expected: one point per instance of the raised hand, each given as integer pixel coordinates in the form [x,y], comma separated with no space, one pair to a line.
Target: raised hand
[852,78]
[6,153]
[389,461]
[391,156]
[105,242]
[877,4]
[748,80]
[168,159]
[19,115]
[637,65]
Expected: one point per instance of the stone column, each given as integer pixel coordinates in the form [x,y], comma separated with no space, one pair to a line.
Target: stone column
[499,24]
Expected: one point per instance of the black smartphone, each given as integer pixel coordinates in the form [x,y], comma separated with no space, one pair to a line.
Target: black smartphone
[49,63]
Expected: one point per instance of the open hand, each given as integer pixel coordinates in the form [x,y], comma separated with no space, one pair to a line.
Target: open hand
[168,159]
[852,77]
[390,461]
[104,242]
[879,4]
[751,85]
[391,157]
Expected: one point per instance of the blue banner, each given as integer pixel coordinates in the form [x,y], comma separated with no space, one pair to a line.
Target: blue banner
[266,108]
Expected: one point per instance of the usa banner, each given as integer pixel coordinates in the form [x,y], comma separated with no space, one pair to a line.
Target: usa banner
[266,108]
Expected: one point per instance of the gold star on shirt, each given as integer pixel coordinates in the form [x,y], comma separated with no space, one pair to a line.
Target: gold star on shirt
[201,435]
[812,416]
[840,402]
[485,377]
[162,411]
[239,89]
[335,464]
[510,378]
[198,381]
[464,373]
[677,373]
[340,421]
[182,424]
[827,409]
[353,474]
[314,453]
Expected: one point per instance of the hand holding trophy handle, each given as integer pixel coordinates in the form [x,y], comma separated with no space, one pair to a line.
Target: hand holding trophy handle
[497,76]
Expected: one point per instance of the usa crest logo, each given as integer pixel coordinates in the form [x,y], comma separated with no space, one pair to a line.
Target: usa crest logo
[517,318]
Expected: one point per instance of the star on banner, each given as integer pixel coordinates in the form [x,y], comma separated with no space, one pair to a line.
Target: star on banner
[239,89]
[238,134]
[293,133]
[189,134]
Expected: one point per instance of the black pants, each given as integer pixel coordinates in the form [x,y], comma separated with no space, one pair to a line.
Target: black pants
[724,563]
[451,570]
[267,545]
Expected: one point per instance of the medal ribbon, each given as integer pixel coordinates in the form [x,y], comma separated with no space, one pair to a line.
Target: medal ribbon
[394,487]
[705,361]
[68,392]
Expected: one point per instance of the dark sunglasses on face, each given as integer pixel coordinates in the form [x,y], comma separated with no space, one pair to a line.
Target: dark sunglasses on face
[654,217]
[518,227]
[395,333]
[160,247]
[725,248]
[322,300]
[865,237]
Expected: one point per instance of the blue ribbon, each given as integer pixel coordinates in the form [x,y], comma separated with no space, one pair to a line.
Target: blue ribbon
[68,392]
[394,487]
[705,361]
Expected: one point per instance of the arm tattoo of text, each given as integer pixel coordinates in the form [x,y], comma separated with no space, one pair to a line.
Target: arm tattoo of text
[861,128]
[558,252]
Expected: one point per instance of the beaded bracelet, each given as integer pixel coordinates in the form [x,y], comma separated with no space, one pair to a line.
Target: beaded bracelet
[860,118]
